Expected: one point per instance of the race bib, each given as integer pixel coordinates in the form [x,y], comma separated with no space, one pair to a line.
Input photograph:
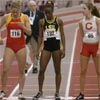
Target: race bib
[50,33]
[90,35]
[15,33]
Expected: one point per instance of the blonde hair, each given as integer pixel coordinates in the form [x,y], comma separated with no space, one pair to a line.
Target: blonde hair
[16,4]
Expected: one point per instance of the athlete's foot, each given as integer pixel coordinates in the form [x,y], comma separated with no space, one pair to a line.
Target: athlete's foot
[99,96]
[2,94]
[26,69]
[57,97]
[37,96]
[80,97]
[20,96]
[35,70]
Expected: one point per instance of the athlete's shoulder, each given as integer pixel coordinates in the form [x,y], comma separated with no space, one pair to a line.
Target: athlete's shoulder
[59,20]
[97,20]
[41,22]
[6,16]
[81,20]
[42,19]
[24,15]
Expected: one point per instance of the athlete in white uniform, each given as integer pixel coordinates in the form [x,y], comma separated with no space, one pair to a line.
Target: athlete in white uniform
[90,30]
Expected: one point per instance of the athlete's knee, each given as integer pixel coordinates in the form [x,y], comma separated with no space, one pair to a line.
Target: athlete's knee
[5,70]
[42,71]
[58,72]
[82,73]
[98,73]
[21,72]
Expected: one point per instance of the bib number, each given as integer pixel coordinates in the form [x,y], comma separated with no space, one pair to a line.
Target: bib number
[90,35]
[50,33]
[15,33]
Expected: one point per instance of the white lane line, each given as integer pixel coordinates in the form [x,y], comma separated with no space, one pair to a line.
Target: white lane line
[50,98]
[89,98]
[70,68]
[17,86]
[1,59]
[4,41]
[42,98]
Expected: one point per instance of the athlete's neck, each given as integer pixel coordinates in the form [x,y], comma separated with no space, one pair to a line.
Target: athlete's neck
[89,16]
[50,19]
[16,17]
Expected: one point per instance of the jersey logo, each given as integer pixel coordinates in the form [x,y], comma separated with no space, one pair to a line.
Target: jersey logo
[89,26]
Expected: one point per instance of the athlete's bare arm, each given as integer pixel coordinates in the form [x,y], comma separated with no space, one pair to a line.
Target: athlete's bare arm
[81,29]
[40,37]
[26,26]
[2,22]
[98,27]
[60,22]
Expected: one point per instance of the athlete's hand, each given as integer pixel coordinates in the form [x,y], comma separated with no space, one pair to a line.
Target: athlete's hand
[37,55]
[98,52]
[1,42]
[20,24]
[62,53]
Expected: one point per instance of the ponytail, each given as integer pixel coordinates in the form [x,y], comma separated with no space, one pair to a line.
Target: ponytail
[95,12]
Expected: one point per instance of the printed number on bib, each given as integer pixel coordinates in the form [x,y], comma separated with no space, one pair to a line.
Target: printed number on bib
[15,33]
[90,35]
[50,33]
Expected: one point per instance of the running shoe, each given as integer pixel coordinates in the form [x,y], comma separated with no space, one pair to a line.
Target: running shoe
[20,96]
[37,96]
[35,66]
[99,96]
[26,69]
[80,97]
[57,97]
[35,70]
[2,94]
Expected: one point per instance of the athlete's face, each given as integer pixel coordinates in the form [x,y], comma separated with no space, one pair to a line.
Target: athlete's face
[15,12]
[49,13]
[85,10]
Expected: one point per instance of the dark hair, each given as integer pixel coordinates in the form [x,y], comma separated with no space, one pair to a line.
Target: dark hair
[50,4]
[95,12]
[93,9]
